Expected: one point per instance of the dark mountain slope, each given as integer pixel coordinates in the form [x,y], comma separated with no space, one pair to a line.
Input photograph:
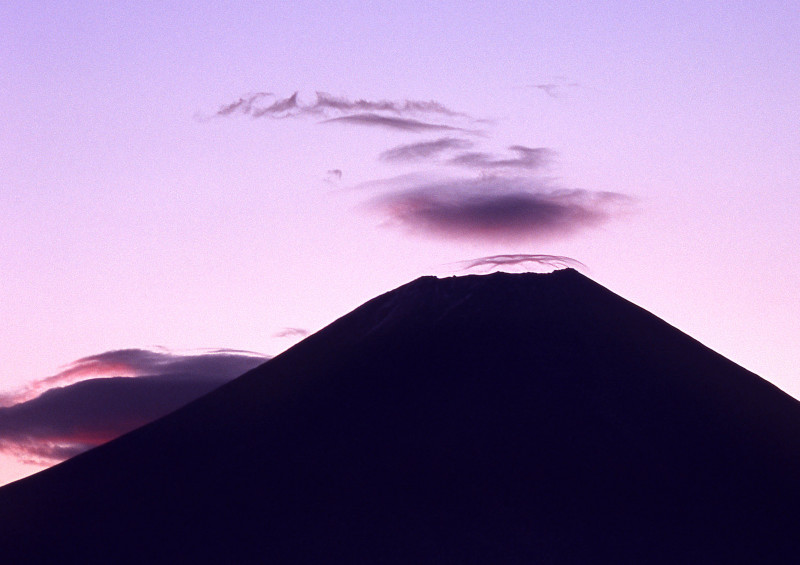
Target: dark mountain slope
[482,419]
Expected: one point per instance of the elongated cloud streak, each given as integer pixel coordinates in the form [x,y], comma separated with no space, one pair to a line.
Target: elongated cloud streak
[393,122]
[554,89]
[424,150]
[497,208]
[393,113]
[326,102]
[74,410]
[527,158]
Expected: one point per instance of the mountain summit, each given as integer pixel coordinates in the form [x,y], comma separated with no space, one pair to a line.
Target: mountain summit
[525,418]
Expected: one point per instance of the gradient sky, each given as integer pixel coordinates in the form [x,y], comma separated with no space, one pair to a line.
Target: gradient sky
[153,194]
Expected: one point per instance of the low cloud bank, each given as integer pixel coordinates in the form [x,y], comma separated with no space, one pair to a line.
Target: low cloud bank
[103,396]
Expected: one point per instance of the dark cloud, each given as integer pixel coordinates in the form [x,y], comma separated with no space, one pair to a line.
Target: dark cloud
[424,149]
[527,158]
[61,420]
[509,202]
[497,208]
[393,122]
[137,362]
[524,260]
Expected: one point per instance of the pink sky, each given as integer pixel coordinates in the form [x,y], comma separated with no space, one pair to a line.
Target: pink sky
[657,146]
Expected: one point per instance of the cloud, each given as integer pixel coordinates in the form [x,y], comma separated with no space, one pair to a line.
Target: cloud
[393,122]
[550,89]
[524,260]
[402,107]
[52,421]
[496,208]
[527,158]
[334,108]
[282,108]
[509,202]
[138,362]
[244,105]
[554,89]
[292,332]
[424,150]
[333,175]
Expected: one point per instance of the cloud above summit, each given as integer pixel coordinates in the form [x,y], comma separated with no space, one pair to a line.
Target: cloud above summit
[522,260]
[464,188]
[500,208]
[100,397]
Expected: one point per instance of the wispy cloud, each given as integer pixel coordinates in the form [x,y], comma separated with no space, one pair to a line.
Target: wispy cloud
[425,149]
[244,105]
[396,114]
[556,88]
[342,104]
[549,88]
[333,176]
[292,332]
[510,201]
[281,108]
[523,260]
[527,158]
[394,122]
[497,208]
[103,396]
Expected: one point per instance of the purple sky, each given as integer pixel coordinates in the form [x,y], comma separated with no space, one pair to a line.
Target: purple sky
[161,185]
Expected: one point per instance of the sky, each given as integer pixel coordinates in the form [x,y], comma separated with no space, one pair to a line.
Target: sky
[187,189]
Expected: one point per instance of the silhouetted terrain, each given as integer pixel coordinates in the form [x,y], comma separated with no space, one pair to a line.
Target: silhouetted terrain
[526,418]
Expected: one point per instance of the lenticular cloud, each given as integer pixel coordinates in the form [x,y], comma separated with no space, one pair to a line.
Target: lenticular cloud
[496,208]
[522,260]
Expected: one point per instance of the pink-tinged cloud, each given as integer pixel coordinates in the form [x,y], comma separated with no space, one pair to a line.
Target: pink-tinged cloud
[497,208]
[525,261]
[70,417]
[137,362]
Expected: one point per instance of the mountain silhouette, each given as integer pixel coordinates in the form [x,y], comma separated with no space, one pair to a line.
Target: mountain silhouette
[504,418]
